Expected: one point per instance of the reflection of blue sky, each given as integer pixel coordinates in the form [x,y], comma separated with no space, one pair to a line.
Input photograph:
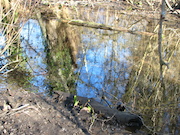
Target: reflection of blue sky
[103,64]
[33,46]
[3,62]
[2,56]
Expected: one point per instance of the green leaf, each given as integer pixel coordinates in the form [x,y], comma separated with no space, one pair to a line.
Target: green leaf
[89,108]
[76,102]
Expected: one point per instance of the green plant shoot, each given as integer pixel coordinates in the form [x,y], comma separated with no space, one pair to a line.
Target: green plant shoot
[76,102]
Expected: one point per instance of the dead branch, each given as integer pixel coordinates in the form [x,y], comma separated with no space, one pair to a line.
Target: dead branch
[161,61]
[168,5]
[103,26]
[122,118]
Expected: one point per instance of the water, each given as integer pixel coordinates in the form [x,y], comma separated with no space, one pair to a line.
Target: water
[112,67]
[3,62]
[34,55]
[33,47]
[103,65]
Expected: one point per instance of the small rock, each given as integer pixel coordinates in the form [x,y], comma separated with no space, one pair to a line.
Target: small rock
[4,131]
[11,133]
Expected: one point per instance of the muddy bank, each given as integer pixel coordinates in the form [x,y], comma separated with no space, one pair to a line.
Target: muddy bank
[24,112]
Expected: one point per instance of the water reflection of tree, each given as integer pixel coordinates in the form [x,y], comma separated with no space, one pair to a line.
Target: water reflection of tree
[12,17]
[105,53]
[143,90]
[61,56]
[143,76]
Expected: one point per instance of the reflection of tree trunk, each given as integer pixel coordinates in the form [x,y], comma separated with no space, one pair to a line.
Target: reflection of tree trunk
[73,40]
[129,90]
[71,37]
[62,40]
[62,35]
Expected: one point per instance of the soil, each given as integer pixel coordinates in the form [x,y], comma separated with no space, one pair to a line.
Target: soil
[27,113]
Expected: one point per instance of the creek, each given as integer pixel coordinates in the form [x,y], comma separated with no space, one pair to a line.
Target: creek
[112,67]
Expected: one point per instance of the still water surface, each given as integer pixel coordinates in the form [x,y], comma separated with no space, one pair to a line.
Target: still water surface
[112,67]
[33,47]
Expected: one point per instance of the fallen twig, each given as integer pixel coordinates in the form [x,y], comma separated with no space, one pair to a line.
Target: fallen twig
[18,110]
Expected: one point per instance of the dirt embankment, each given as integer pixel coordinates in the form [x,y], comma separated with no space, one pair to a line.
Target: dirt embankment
[27,113]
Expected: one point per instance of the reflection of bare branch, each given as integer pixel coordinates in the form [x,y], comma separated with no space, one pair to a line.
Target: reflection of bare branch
[140,20]
[31,47]
[10,56]
[14,13]
[9,64]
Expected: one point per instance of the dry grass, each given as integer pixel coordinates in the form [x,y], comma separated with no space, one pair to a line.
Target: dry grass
[13,14]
